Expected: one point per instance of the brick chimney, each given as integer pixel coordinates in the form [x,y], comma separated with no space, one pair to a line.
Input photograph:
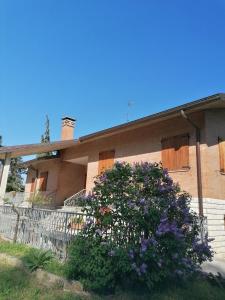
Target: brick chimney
[67,128]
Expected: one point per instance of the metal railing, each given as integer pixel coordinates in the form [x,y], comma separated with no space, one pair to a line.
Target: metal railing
[42,228]
[75,199]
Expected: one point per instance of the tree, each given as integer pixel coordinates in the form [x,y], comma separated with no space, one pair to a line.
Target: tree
[15,179]
[45,138]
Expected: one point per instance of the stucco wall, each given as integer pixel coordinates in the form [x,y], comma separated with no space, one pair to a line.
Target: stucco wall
[214,186]
[143,144]
[50,166]
[70,181]
[64,179]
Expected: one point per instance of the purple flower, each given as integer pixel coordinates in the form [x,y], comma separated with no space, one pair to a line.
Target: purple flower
[131,204]
[143,268]
[103,177]
[166,227]
[153,241]
[142,201]
[131,253]
[144,245]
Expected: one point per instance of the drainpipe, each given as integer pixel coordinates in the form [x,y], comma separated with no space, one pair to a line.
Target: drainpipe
[198,161]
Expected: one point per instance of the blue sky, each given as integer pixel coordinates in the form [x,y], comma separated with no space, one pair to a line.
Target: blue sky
[87,59]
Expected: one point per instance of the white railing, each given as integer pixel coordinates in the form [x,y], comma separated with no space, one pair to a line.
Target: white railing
[74,200]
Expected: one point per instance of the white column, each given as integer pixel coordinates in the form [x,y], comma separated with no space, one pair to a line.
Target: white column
[5,174]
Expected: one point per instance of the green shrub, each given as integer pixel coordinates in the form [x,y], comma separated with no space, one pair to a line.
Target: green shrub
[141,228]
[38,259]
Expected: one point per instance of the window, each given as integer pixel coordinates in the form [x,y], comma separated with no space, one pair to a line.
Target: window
[221,143]
[106,160]
[43,181]
[175,152]
[32,188]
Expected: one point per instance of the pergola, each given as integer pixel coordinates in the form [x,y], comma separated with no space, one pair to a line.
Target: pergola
[7,153]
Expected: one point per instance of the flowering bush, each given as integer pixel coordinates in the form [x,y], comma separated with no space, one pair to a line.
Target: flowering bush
[142,228]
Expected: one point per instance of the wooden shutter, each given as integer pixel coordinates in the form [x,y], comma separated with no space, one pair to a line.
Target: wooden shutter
[168,153]
[175,152]
[43,181]
[222,154]
[182,151]
[106,160]
[32,188]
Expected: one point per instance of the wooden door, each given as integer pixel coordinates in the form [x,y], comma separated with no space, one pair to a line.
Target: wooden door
[32,188]
[43,181]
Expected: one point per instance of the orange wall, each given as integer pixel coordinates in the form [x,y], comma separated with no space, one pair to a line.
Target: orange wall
[214,181]
[50,166]
[70,181]
[65,179]
[143,144]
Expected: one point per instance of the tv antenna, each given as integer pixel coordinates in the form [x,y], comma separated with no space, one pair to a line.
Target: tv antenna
[130,103]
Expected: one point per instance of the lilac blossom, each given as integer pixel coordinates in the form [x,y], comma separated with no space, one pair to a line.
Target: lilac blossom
[143,268]
[142,201]
[166,227]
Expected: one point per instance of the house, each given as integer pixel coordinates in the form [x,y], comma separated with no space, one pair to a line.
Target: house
[189,140]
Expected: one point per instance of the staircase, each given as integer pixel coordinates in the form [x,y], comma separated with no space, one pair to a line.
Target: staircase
[74,200]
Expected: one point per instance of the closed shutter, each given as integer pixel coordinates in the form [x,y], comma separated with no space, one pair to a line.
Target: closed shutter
[222,154]
[106,161]
[43,181]
[32,189]
[168,154]
[175,152]
[182,151]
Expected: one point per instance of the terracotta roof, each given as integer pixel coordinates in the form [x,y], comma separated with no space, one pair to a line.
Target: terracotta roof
[214,101]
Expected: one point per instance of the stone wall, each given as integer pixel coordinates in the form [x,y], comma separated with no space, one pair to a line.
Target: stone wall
[214,210]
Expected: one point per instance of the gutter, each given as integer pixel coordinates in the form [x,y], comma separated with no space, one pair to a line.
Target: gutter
[198,161]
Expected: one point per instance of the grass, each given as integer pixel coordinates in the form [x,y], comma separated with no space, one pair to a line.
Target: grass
[23,252]
[16,283]
[198,290]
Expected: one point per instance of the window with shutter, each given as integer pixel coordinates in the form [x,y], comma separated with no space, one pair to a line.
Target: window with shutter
[106,160]
[175,152]
[221,143]
[43,181]
[32,188]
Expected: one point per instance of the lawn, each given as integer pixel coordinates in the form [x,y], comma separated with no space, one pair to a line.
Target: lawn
[20,284]
[23,251]
[16,283]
